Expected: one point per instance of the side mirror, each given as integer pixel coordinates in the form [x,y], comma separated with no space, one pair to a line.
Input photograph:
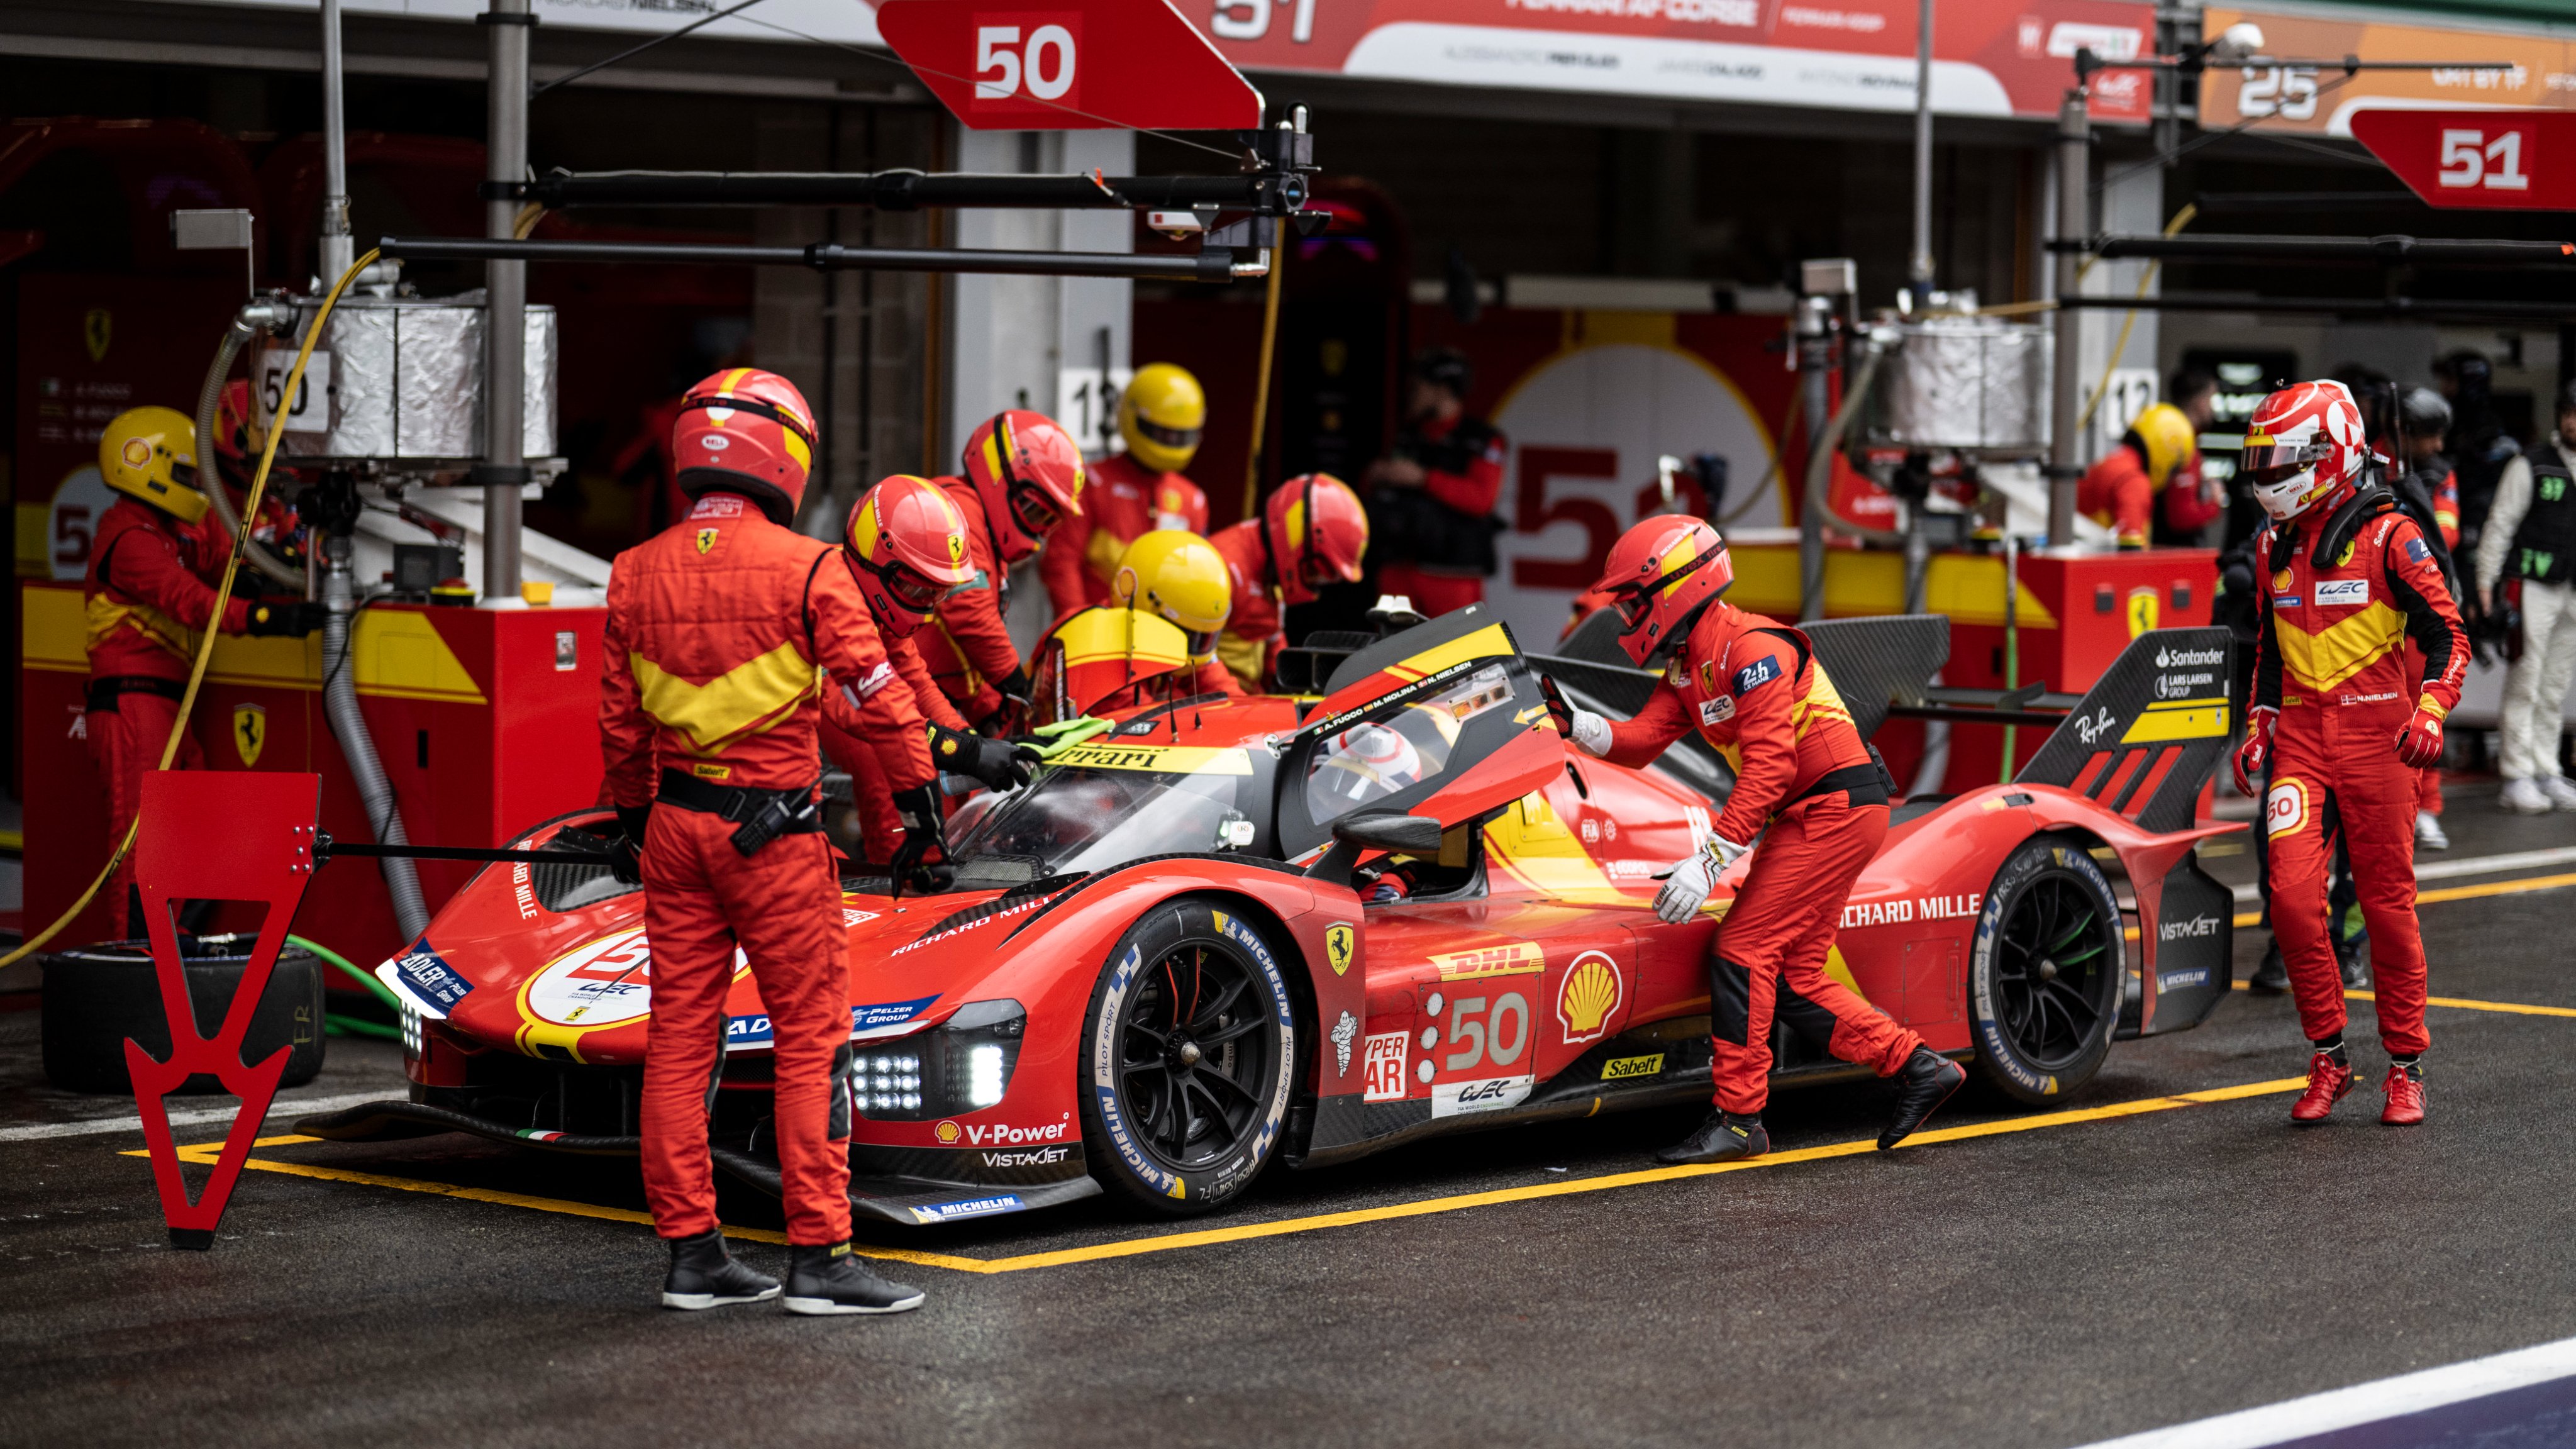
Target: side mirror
[1410,834]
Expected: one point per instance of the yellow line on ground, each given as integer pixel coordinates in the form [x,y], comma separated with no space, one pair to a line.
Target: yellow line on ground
[2516,1008]
[205,1154]
[2456,893]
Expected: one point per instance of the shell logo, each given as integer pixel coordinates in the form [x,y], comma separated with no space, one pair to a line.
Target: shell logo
[946,1132]
[138,453]
[1588,997]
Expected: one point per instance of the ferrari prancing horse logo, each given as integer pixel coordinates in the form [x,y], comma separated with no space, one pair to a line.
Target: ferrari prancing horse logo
[706,539]
[1337,948]
[250,732]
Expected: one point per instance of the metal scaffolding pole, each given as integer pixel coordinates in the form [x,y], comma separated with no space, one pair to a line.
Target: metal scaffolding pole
[505,464]
[2074,220]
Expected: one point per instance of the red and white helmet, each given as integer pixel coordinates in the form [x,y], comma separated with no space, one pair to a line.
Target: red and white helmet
[2304,445]
[1028,472]
[1317,532]
[1658,576]
[749,432]
[907,544]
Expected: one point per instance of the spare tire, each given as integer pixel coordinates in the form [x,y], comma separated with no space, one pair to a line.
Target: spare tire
[97,996]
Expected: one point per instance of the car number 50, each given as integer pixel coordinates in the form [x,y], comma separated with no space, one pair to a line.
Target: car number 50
[1003,65]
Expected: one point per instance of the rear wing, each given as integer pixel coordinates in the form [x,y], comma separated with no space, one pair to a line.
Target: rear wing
[2154,726]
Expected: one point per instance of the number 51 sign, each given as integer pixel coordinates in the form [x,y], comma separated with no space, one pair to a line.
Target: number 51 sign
[2491,159]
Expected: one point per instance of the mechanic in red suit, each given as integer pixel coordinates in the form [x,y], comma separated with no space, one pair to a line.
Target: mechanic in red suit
[906,546]
[1434,496]
[2121,491]
[1804,780]
[1312,531]
[717,628]
[155,562]
[2337,723]
[1160,416]
[1023,476]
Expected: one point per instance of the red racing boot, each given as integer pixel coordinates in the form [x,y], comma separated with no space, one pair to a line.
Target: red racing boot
[2405,1089]
[2328,1081]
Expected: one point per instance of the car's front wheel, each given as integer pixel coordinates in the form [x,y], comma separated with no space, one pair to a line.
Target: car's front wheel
[2044,982]
[1189,1050]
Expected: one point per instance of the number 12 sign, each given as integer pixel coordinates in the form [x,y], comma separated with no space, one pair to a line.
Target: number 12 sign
[2489,159]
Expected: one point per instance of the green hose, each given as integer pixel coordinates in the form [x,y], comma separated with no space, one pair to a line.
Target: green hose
[366,979]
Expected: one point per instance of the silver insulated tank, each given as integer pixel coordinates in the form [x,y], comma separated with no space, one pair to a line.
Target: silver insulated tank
[399,380]
[1966,382]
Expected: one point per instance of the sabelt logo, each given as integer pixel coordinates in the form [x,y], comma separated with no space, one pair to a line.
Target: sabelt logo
[1621,1069]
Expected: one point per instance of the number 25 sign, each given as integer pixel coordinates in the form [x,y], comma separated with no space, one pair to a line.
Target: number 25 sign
[2490,159]
[1089,65]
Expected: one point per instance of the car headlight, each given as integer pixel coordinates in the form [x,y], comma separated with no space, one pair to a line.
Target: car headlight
[962,1065]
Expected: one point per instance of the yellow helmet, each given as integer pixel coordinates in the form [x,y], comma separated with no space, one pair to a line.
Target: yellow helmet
[1160,414]
[2168,438]
[151,453]
[1176,575]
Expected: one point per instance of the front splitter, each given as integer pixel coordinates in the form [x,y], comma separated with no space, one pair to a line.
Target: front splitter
[911,1201]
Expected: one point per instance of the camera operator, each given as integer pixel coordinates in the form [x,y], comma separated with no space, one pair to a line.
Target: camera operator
[1431,501]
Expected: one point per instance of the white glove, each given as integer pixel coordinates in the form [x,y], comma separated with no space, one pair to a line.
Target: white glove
[1592,734]
[1686,890]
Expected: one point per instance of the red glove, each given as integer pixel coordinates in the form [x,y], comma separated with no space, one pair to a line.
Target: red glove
[2256,752]
[2420,743]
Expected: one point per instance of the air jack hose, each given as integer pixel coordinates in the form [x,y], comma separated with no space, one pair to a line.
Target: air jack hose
[357,746]
[209,405]
[1820,459]
[206,643]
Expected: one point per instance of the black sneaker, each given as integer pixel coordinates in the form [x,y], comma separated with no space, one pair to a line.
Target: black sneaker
[1927,1081]
[1724,1137]
[704,1275]
[2272,977]
[834,1280]
[2353,958]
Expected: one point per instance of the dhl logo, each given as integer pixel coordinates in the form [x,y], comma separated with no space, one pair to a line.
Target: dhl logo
[1519,958]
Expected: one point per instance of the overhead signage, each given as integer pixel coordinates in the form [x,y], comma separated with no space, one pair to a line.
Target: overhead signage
[2538,71]
[2482,159]
[1084,65]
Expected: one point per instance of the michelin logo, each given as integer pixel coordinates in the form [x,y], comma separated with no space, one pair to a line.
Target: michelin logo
[973,1207]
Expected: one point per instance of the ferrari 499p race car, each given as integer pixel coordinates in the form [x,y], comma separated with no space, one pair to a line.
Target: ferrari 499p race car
[1231,932]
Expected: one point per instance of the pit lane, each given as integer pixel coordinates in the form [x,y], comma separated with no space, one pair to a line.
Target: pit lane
[2162,1249]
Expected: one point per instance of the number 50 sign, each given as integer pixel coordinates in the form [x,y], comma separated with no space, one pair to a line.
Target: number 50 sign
[1088,65]
[2491,159]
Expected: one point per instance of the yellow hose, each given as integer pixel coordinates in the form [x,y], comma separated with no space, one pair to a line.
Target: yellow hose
[223,596]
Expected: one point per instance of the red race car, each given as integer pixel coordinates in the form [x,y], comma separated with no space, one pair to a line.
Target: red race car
[1233,931]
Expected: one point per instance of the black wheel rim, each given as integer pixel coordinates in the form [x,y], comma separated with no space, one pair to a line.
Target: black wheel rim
[1196,1041]
[2054,956]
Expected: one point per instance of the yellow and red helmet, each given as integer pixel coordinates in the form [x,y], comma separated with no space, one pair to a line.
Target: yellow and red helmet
[1659,575]
[749,432]
[2167,439]
[1028,472]
[1176,575]
[907,545]
[2304,445]
[1317,532]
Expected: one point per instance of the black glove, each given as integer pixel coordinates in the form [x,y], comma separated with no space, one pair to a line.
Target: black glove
[922,818]
[1556,705]
[1000,764]
[628,846]
[1016,692]
[285,620]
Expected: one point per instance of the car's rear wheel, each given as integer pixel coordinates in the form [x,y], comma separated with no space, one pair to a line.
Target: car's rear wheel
[1188,1053]
[2044,982]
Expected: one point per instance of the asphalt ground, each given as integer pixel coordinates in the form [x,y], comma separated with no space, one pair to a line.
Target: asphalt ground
[2163,1248]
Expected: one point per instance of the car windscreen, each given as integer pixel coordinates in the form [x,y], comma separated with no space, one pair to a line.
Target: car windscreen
[1086,817]
[1398,749]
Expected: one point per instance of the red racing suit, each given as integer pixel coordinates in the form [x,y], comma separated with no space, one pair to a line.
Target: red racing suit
[857,742]
[2330,655]
[151,590]
[1122,500]
[1436,590]
[1753,689]
[968,648]
[720,629]
[1257,629]
[2117,493]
